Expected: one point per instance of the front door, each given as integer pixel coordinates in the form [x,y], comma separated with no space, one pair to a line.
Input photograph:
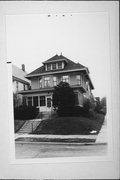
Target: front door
[49,103]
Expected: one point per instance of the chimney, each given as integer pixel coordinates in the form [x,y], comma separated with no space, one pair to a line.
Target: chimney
[23,67]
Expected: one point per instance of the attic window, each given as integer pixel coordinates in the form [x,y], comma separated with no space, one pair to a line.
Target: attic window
[59,65]
[54,66]
[48,67]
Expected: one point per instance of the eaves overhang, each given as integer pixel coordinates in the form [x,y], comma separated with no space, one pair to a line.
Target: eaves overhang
[55,72]
[33,91]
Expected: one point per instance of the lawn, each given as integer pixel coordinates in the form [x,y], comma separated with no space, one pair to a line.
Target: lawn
[18,124]
[70,125]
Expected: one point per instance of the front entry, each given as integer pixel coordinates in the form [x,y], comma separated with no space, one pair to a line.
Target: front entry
[49,103]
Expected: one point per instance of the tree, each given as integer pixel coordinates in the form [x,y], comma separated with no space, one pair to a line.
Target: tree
[103,102]
[103,105]
[63,97]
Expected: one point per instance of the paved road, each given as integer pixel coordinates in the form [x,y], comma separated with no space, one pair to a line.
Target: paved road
[45,150]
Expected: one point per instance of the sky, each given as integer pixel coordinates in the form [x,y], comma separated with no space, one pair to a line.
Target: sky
[83,38]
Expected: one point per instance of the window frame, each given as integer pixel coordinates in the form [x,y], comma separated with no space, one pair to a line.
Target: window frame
[28,100]
[59,67]
[40,83]
[48,67]
[47,82]
[65,79]
[42,101]
[54,66]
[34,101]
[79,80]
[54,81]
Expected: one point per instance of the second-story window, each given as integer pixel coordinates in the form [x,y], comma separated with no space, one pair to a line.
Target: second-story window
[40,83]
[54,66]
[78,78]
[65,79]
[59,65]
[48,67]
[47,81]
[54,81]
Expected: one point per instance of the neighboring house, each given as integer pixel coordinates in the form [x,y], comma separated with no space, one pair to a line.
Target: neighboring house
[53,71]
[20,83]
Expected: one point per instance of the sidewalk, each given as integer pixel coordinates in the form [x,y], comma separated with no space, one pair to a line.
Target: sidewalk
[55,136]
[102,136]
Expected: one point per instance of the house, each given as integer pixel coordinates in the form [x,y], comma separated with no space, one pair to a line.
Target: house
[52,72]
[20,83]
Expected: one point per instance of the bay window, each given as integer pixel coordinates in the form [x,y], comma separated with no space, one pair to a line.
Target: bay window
[47,81]
[54,81]
[65,79]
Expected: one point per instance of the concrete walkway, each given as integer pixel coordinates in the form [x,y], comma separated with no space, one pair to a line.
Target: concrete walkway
[102,136]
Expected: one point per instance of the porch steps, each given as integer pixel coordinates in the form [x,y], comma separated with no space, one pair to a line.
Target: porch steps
[29,126]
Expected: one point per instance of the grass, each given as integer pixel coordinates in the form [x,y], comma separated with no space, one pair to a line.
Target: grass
[71,125]
[18,124]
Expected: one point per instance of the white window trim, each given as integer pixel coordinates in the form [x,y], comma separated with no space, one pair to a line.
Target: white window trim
[68,78]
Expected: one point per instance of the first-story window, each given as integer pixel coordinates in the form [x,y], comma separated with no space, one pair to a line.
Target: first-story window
[35,100]
[48,102]
[65,79]
[42,101]
[24,100]
[76,99]
[29,101]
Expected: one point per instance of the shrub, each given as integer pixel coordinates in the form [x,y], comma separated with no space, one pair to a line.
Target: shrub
[25,112]
[75,111]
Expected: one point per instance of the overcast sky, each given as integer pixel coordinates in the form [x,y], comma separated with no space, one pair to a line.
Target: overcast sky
[83,38]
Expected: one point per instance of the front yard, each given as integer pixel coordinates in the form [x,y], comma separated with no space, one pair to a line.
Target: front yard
[71,125]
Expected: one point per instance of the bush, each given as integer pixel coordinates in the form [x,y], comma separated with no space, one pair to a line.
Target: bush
[75,111]
[65,111]
[25,112]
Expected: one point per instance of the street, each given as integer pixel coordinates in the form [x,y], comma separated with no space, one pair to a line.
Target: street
[45,150]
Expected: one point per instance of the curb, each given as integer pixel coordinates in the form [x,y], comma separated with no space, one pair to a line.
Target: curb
[61,143]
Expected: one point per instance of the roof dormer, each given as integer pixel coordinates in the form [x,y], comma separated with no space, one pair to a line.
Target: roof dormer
[55,63]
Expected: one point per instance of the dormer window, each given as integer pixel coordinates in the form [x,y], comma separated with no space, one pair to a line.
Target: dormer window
[59,65]
[48,67]
[54,66]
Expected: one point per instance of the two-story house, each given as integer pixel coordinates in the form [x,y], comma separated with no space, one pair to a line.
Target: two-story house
[20,83]
[52,72]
